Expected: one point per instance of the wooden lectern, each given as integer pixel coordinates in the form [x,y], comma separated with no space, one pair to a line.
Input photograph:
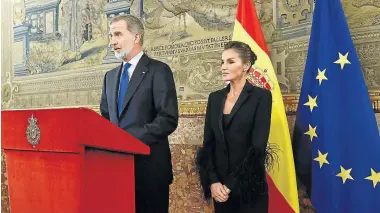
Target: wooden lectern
[67,161]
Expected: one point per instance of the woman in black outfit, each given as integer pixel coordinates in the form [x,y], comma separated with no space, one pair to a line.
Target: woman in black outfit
[232,162]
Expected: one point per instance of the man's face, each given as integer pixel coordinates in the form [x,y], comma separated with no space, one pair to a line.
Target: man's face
[121,39]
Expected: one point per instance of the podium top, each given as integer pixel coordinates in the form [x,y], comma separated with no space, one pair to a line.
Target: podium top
[64,130]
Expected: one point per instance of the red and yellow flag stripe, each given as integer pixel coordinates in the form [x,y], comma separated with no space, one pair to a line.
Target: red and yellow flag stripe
[283,195]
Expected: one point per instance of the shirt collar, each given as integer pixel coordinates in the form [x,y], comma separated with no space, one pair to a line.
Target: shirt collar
[135,59]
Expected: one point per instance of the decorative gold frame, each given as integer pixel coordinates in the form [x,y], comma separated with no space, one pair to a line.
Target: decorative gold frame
[194,109]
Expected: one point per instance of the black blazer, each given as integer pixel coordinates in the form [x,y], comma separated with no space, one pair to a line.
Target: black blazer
[234,154]
[150,113]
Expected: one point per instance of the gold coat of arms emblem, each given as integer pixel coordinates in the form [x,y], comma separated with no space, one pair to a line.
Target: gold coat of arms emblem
[33,132]
[259,78]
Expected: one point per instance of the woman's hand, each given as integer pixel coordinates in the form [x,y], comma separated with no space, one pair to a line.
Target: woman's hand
[218,192]
[226,189]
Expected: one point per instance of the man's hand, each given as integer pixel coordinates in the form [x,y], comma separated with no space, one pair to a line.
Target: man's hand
[218,192]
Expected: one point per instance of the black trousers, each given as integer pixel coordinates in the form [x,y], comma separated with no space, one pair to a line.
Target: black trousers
[152,201]
[233,205]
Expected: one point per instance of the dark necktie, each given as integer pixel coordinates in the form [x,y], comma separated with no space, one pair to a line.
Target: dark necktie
[124,80]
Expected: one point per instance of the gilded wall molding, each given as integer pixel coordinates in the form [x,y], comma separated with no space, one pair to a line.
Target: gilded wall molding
[195,109]
[198,109]
[59,89]
[8,90]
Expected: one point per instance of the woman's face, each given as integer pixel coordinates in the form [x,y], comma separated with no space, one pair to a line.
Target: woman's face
[233,67]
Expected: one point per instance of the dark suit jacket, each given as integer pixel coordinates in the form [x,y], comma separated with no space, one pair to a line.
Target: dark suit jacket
[150,113]
[235,154]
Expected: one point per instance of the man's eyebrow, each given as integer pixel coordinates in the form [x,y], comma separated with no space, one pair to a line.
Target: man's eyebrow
[115,33]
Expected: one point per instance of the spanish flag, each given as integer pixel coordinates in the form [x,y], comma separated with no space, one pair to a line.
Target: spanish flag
[283,196]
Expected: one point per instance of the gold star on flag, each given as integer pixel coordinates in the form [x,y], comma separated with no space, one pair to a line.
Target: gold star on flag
[312,132]
[375,177]
[345,174]
[342,60]
[311,103]
[322,158]
[321,76]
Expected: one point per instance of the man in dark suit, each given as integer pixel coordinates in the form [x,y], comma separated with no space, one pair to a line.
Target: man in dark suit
[140,97]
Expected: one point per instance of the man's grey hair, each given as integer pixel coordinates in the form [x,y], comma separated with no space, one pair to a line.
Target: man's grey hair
[134,25]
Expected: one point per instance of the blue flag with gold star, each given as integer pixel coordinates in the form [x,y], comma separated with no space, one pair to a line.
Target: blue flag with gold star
[336,138]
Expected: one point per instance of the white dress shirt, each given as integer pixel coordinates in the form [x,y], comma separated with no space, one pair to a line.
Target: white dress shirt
[133,63]
[132,68]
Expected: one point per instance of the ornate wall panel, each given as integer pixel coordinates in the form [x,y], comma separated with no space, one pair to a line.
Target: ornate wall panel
[59,50]
[55,54]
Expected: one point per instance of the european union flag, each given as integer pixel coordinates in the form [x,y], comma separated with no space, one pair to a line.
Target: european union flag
[336,122]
